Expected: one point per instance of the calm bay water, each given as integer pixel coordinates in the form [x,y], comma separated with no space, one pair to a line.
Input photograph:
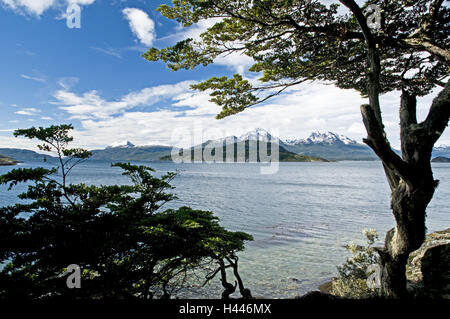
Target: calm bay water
[300,217]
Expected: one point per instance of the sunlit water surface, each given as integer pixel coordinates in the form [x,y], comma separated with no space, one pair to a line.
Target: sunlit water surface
[301,217]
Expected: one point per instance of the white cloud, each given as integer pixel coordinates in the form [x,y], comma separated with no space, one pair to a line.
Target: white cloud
[7,140]
[357,129]
[82,2]
[33,78]
[141,25]
[90,105]
[236,61]
[109,51]
[68,82]
[305,108]
[37,7]
[27,111]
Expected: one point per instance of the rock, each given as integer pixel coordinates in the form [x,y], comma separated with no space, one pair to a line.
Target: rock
[428,268]
[317,296]
[327,287]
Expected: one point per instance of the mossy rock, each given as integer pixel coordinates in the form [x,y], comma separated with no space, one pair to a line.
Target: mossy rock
[428,270]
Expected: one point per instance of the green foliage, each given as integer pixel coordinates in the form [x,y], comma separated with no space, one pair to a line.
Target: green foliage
[126,246]
[293,41]
[181,56]
[55,139]
[231,94]
[352,281]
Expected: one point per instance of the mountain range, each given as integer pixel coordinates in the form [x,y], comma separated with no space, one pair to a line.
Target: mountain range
[249,151]
[23,155]
[328,145]
[331,146]
[129,152]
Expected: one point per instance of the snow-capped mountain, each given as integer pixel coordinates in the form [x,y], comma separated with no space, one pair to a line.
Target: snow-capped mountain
[441,151]
[123,144]
[327,145]
[331,146]
[442,147]
[228,140]
[257,134]
[322,138]
[316,137]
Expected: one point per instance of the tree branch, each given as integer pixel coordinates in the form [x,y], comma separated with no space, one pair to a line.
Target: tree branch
[438,116]
[377,141]
[373,59]
[362,21]
[394,166]
[421,37]
[408,107]
[408,118]
[425,44]
[434,12]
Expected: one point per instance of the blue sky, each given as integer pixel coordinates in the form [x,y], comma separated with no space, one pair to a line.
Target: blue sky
[95,78]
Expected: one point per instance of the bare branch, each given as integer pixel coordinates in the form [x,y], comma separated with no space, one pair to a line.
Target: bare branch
[425,44]
[438,116]
[377,141]
[359,15]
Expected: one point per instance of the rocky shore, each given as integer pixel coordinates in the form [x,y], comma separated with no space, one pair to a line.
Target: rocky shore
[427,271]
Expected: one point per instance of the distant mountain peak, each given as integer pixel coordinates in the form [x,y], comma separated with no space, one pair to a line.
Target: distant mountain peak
[259,134]
[317,137]
[122,144]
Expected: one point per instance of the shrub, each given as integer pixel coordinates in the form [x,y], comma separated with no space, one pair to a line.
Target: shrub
[353,274]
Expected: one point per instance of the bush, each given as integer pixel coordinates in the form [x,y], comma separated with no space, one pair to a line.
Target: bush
[353,274]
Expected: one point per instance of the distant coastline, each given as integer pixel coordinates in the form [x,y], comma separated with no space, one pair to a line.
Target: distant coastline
[318,147]
[440,159]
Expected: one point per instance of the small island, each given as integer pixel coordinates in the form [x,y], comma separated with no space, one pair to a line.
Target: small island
[7,161]
[283,154]
[440,159]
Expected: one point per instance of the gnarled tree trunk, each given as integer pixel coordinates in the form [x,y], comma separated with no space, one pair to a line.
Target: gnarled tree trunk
[410,176]
[411,181]
[408,205]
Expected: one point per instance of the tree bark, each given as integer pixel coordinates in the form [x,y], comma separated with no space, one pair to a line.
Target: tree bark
[409,206]
[228,288]
[410,177]
[412,186]
[245,292]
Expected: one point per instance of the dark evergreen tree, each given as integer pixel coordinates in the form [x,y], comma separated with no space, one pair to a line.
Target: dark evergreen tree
[125,245]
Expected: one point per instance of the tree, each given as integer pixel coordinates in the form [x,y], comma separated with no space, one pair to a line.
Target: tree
[126,246]
[294,41]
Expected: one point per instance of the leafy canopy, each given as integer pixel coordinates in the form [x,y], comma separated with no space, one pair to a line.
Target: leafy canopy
[293,41]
